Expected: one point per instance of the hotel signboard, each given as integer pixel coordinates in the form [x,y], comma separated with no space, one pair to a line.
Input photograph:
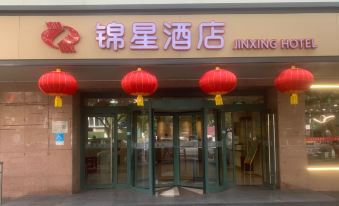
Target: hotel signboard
[169,36]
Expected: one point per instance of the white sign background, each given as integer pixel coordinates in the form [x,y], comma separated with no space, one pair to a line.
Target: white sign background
[59,127]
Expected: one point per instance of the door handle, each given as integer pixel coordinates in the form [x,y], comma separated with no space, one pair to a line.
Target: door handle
[269,148]
[274,148]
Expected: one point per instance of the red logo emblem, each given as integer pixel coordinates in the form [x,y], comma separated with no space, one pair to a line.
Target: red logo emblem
[65,45]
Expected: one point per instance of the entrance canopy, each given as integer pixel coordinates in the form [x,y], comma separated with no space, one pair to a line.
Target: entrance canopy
[97,76]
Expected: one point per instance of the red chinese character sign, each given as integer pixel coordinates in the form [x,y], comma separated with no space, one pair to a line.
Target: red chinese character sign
[139,83]
[144,36]
[58,83]
[55,29]
[294,80]
[218,82]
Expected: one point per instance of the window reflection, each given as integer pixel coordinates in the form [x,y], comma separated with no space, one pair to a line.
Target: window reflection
[163,149]
[190,143]
[229,145]
[99,150]
[214,150]
[321,126]
[122,148]
[141,150]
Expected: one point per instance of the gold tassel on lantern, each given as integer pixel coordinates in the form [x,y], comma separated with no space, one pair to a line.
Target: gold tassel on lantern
[218,100]
[140,101]
[57,102]
[294,99]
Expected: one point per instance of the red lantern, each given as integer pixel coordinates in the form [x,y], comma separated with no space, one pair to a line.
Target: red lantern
[294,80]
[58,83]
[139,83]
[218,82]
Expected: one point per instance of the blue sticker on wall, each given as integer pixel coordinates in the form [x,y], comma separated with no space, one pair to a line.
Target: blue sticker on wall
[59,138]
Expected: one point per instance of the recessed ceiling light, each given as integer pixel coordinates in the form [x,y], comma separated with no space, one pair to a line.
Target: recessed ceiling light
[323,168]
[325,86]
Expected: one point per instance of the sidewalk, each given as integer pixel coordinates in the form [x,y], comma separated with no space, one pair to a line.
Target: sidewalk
[237,196]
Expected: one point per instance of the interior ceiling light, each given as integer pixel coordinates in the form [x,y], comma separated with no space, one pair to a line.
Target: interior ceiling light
[324,119]
[325,86]
[323,168]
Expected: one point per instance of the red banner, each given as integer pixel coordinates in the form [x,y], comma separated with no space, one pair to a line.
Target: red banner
[321,139]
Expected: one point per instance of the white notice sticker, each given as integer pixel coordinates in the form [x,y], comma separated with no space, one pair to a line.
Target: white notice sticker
[59,127]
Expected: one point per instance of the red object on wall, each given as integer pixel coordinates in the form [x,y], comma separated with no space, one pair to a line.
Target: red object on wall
[58,83]
[218,82]
[139,83]
[294,80]
[65,45]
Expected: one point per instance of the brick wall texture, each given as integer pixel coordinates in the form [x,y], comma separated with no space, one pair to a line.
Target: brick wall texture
[33,163]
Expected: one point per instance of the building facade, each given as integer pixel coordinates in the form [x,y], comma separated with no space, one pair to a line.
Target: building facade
[99,138]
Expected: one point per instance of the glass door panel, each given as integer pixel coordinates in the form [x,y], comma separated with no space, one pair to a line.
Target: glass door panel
[216,168]
[164,150]
[141,151]
[190,150]
[228,131]
[248,138]
[122,125]
[99,151]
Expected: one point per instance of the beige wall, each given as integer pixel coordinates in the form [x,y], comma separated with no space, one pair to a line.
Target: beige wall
[33,164]
[292,148]
[20,36]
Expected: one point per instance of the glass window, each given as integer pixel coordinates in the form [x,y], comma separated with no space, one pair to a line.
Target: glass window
[190,149]
[98,151]
[122,148]
[109,102]
[115,102]
[322,127]
[229,145]
[243,100]
[140,140]
[247,138]
[212,151]
[163,148]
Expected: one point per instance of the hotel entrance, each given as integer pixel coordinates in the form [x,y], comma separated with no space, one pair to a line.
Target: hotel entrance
[178,149]
[175,143]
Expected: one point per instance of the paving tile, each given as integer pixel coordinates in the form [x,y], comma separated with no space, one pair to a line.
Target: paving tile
[236,196]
